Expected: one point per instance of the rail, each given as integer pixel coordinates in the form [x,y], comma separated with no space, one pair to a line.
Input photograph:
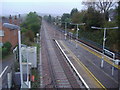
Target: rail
[79,76]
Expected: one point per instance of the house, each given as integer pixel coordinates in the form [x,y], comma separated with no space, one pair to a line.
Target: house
[8,35]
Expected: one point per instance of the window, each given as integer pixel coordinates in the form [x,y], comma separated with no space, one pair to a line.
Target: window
[1,33]
[1,44]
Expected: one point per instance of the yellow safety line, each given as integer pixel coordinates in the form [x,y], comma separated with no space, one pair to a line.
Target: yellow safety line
[80,63]
[98,55]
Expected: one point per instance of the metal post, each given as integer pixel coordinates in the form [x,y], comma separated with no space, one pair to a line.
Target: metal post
[20,60]
[27,68]
[37,37]
[104,38]
[65,29]
[9,77]
[113,69]
[77,36]
[77,31]
[113,64]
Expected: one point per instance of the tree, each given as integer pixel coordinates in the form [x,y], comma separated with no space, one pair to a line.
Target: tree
[92,18]
[118,14]
[30,35]
[102,5]
[65,16]
[118,31]
[32,23]
[73,11]
[30,27]
[35,27]
[78,17]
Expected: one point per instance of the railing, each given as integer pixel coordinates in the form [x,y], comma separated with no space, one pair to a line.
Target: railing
[91,43]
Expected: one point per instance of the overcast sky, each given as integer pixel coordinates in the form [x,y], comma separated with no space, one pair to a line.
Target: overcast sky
[40,6]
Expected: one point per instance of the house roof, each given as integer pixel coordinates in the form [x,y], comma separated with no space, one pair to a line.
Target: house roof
[4,20]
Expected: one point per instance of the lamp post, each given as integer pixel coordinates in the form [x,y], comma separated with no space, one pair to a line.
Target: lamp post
[65,29]
[37,37]
[104,39]
[77,30]
[15,27]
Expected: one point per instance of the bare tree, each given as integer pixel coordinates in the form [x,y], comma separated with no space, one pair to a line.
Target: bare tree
[102,5]
[105,5]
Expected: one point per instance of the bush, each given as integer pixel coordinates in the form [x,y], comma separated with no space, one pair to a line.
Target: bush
[7,45]
[5,49]
[30,35]
[35,27]
[4,52]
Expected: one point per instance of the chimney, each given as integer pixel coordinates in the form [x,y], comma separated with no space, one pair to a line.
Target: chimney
[10,19]
[19,21]
[15,20]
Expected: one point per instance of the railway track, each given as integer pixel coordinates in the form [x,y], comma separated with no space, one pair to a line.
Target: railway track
[49,70]
[59,63]
[73,82]
[58,70]
[52,73]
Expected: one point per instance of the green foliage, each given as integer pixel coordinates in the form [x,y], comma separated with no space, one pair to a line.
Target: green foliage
[78,17]
[110,24]
[65,17]
[73,11]
[30,35]
[93,18]
[35,27]
[23,30]
[6,49]
[7,45]
[118,31]
[96,36]
[30,27]
[36,83]
[32,22]
[4,52]
[118,14]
